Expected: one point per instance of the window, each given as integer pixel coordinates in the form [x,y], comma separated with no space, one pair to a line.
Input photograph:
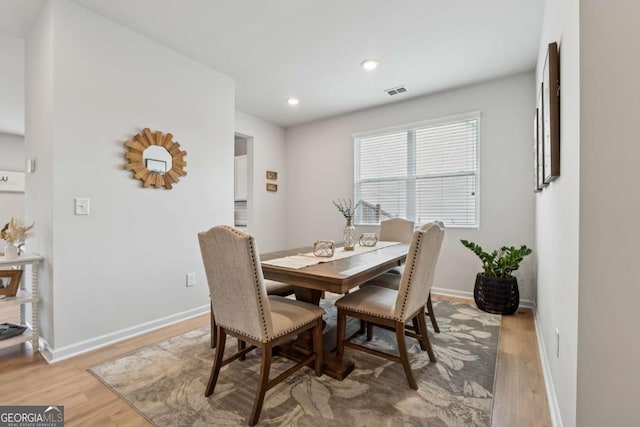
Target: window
[424,172]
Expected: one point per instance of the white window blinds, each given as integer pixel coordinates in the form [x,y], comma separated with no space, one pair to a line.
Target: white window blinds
[424,172]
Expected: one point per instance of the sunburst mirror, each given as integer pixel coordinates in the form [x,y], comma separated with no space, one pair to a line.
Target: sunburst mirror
[155,159]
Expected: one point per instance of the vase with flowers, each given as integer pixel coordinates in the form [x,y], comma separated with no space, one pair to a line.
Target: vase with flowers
[348,209]
[14,233]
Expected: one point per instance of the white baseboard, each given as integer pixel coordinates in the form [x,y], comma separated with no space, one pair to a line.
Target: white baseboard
[469,295]
[53,355]
[452,293]
[552,398]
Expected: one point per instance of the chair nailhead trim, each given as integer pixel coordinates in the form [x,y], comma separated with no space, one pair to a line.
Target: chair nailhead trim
[257,284]
[240,332]
[371,313]
[293,328]
[410,280]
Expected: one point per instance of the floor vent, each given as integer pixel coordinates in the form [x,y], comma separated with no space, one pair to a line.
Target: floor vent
[396,90]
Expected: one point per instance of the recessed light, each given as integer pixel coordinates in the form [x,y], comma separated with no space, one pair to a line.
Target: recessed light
[293,101]
[370,64]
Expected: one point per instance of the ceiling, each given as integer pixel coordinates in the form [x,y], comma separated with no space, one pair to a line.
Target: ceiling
[312,49]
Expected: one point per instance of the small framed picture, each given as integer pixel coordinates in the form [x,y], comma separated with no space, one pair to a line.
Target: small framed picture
[9,282]
[272,187]
[536,158]
[272,175]
[540,143]
[156,166]
[551,114]
[12,181]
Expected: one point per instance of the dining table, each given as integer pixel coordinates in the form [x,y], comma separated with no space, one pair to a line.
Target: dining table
[337,276]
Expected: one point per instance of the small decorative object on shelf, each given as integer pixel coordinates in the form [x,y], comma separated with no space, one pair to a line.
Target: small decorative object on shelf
[348,209]
[368,239]
[14,233]
[496,290]
[16,294]
[10,282]
[324,248]
[8,330]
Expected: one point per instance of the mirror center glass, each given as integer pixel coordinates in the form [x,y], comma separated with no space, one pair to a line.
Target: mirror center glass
[157,159]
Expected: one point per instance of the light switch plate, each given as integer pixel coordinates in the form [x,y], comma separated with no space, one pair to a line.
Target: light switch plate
[82,206]
[191,279]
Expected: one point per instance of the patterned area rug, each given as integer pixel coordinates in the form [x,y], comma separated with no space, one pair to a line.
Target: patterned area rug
[166,382]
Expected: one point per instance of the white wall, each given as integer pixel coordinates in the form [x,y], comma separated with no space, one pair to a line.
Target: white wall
[125,264]
[608,340]
[38,144]
[266,210]
[320,168]
[557,217]
[11,85]
[11,159]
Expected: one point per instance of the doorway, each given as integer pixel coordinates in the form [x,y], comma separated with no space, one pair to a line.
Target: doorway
[241,182]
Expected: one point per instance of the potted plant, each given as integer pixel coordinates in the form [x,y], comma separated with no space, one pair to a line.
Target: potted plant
[496,290]
[15,232]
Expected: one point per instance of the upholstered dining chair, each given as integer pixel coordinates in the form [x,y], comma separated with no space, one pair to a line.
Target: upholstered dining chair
[272,287]
[399,230]
[243,309]
[396,230]
[393,309]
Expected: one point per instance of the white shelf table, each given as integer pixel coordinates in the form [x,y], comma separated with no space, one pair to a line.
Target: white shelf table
[24,297]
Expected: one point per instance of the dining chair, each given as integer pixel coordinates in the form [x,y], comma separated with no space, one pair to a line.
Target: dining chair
[393,309]
[396,230]
[272,287]
[399,230]
[245,311]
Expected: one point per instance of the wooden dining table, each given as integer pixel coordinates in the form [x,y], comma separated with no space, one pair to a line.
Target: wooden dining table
[338,277]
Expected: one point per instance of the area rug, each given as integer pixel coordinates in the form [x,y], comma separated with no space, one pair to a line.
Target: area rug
[166,382]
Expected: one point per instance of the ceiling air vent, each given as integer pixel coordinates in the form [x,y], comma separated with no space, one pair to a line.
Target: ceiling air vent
[396,90]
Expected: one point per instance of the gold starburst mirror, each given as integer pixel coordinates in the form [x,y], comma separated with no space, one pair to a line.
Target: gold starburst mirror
[155,159]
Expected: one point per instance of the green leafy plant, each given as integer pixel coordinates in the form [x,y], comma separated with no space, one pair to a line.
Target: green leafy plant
[499,263]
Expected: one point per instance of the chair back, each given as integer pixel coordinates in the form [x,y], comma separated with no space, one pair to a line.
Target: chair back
[419,270]
[238,295]
[396,230]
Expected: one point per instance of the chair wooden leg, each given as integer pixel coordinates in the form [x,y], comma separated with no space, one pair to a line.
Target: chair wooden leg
[432,315]
[263,384]
[363,327]
[217,363]
[342,323]
[318,347]
[241,346]
[416,329]
[213,327]
[404,357]
[369,331]
[425,336]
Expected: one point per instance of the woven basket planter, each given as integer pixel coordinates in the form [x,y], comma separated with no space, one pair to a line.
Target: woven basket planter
[496,295]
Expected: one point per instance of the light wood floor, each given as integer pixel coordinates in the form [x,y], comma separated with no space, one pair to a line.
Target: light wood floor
[26,379]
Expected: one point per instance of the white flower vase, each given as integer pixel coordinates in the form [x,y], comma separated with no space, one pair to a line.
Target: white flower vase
[11,251]
[349,235]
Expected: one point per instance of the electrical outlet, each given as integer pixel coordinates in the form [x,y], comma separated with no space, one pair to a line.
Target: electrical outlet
[191,279]
[557,343]
[82,206]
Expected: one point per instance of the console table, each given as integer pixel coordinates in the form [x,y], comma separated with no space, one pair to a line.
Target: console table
[22,298]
